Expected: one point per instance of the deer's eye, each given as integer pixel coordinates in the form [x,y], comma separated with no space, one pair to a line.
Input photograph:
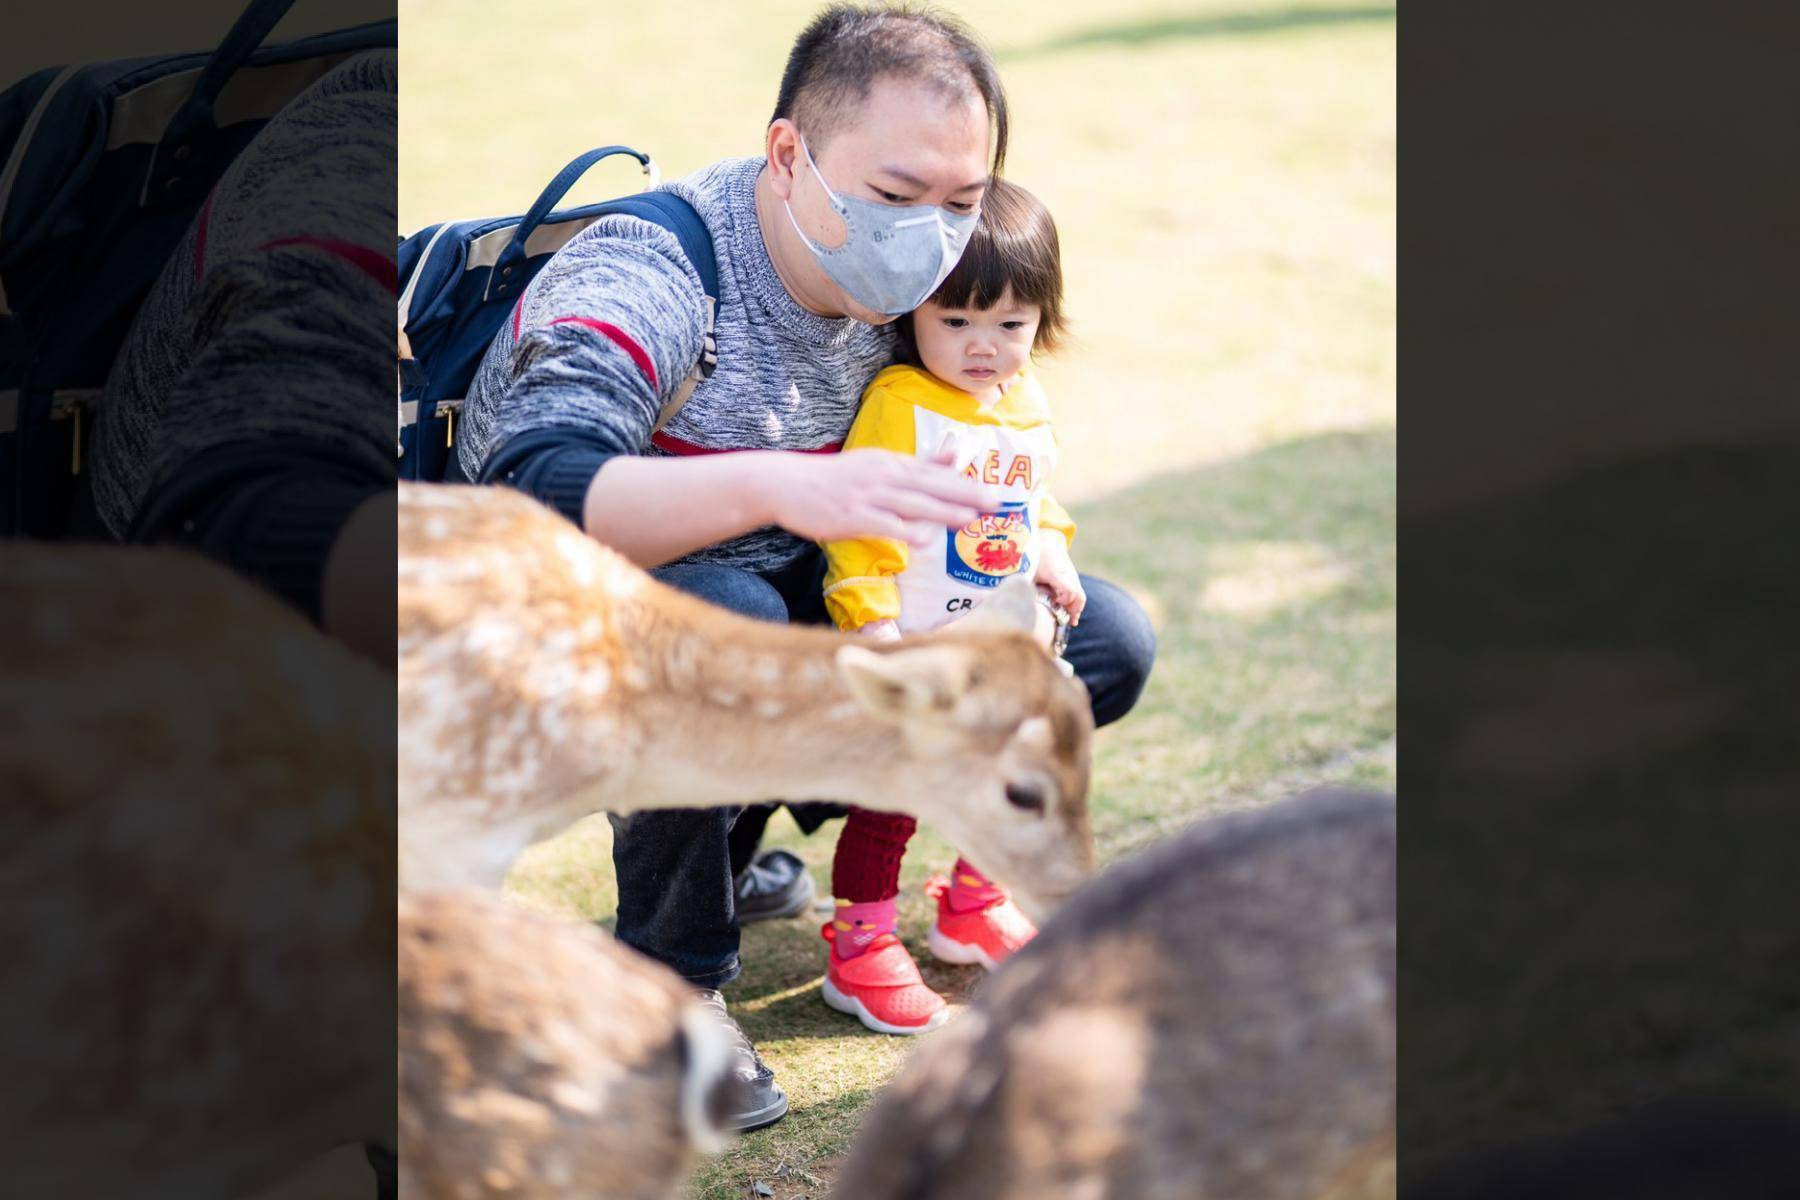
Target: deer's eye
[1026,796]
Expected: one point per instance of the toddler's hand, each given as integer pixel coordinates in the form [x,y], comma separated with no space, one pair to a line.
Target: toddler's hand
[1056,571]
[886,630]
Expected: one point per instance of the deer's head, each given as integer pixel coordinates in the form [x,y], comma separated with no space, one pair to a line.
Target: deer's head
[999,743]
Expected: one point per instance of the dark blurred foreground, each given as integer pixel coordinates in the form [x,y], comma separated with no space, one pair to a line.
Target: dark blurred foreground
[197,757]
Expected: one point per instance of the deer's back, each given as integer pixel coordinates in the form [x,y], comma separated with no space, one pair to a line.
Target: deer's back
[1212,1018]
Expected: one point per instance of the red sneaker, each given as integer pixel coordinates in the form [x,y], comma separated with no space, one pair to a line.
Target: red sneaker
[882,987]
[986,935]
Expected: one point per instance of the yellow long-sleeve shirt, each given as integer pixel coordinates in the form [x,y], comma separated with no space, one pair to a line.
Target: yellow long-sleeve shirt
[1010,444]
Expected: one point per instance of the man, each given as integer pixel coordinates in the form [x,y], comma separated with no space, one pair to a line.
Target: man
[886,129]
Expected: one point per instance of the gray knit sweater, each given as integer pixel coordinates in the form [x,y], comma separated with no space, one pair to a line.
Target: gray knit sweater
[613,324]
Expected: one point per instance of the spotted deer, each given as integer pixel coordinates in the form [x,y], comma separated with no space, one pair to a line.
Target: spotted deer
[1212,1018]
[540,1059]
[543,678]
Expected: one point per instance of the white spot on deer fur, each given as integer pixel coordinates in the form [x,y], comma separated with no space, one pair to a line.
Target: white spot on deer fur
[727,698]
[572,1095]
[594,680]
[579,554]
[769,709]
[484,635]
[560,644]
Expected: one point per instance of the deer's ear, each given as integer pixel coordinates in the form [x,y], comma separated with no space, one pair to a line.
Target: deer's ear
[1013,608]
[927,681]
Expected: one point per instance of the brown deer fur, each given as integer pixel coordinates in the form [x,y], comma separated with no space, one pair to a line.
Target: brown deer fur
[543,678]
[1213,1018]
[541,1059]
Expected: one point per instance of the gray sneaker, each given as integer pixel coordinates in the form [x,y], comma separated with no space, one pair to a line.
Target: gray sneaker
[762,1100]
[774,885]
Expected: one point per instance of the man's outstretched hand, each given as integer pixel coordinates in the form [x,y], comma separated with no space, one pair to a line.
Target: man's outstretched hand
[873,493]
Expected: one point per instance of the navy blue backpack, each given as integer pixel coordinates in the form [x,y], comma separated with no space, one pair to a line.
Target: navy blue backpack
[461,279]
[103,167]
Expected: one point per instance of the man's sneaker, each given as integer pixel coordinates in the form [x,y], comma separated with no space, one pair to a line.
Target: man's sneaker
[986,935]
[761,1100]
[882,987]
[774,885]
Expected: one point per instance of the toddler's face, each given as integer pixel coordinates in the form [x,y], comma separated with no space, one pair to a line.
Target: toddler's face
[976,349]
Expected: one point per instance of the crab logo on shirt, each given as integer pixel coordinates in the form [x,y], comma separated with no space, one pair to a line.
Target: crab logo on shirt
[990,547]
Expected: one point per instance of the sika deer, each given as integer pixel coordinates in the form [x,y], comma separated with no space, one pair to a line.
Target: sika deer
[544,678]
[539,1058]
[1213,1018]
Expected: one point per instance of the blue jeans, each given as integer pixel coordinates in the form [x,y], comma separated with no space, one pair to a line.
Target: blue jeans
[674,865]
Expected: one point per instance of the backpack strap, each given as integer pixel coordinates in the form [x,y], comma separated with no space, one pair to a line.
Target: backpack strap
[679,218]
[184,165]
[676,215]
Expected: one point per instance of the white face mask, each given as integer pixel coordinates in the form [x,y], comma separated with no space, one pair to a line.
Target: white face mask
[892,258]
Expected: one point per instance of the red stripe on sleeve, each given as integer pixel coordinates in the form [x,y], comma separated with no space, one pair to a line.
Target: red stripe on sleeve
[200,238]
[675,445]
[620,338]
[370,262]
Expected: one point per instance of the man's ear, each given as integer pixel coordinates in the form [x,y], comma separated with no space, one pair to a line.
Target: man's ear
[1013,608]
[927,681]
[781,150]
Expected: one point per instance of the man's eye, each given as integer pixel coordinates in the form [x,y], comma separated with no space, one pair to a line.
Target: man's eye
[890,197]
[961,208]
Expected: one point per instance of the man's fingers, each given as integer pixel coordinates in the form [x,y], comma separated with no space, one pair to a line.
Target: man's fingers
[874,523]
[921,536]
[919,506]
[948,485]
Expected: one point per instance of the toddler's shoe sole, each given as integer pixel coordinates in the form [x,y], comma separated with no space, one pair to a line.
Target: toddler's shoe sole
[961,954]
[854,1007]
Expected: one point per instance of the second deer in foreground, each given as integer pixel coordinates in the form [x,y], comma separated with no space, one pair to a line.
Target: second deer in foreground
[543,678]
[1211,1019]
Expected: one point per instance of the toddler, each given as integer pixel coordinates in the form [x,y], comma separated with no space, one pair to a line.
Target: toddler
[969,390]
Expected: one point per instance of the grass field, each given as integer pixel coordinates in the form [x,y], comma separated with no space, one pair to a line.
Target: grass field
[1223,178]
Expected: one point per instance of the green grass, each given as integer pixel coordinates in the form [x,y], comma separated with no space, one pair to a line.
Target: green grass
[1222,175]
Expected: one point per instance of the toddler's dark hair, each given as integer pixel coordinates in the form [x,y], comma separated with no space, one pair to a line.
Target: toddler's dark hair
[1014,245]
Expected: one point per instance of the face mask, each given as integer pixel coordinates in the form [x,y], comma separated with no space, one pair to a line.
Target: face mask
[892,258]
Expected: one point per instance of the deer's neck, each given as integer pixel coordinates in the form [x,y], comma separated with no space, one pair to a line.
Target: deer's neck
[750,712]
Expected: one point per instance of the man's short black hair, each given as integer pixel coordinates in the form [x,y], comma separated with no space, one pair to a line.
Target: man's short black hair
[840,54]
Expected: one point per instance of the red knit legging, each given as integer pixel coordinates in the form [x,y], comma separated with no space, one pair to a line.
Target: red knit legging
[869,849]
